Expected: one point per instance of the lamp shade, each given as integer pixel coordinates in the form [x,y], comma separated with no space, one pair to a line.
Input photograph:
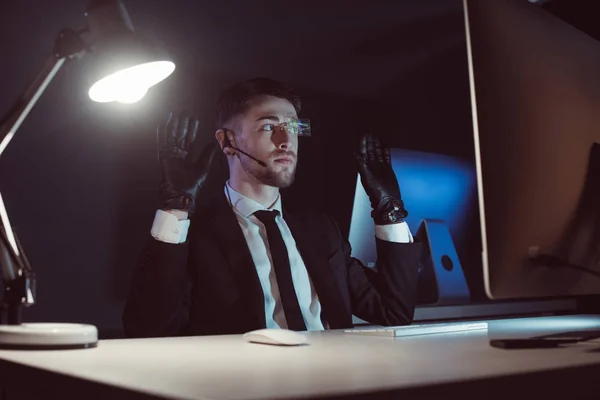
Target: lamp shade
[125,67]
[125,64]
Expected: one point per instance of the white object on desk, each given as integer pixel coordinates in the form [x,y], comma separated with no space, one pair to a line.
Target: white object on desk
[427,329]
[280,337]
[50,336]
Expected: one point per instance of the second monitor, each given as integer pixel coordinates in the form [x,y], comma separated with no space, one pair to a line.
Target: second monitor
[439,192]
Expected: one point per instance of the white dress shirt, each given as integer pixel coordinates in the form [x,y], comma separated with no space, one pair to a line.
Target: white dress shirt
[168,228]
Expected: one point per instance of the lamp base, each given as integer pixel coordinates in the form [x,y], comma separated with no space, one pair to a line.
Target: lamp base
[48,336]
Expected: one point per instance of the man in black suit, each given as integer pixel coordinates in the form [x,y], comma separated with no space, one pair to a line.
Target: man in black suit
[245,263]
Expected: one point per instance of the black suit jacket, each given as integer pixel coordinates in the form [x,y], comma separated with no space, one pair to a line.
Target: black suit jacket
[209,285]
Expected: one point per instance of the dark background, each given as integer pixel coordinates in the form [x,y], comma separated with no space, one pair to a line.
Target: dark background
[79,179]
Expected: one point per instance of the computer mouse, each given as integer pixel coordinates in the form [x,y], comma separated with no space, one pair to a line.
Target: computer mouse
[279,337]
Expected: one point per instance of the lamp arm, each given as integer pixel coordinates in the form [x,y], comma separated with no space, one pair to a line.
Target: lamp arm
[19,279]
[68,45]
[21,108]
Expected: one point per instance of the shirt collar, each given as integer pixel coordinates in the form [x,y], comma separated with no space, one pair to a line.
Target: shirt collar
[245,205]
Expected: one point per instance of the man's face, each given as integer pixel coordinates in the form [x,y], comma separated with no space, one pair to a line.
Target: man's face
[258,133]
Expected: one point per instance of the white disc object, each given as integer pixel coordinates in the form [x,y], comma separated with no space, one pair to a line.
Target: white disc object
[48,336]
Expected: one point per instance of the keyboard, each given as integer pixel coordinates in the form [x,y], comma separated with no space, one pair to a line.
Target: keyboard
[424,329]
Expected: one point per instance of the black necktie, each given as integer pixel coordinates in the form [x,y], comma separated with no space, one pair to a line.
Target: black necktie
[283,271]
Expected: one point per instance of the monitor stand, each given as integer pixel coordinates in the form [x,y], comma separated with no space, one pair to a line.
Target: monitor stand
[442,259]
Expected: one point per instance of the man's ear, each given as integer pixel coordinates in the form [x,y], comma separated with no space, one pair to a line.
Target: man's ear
[224,141]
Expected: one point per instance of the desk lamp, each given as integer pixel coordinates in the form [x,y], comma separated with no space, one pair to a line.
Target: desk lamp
[125,66]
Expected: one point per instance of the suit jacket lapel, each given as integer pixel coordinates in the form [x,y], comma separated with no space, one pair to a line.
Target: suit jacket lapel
[236,251]
[323,278]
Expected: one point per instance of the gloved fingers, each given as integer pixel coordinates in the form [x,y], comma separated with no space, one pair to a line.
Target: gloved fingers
[171,132]
[378,154]
[370,149]
[161,131]
[360,161]
[362,148]
[182,130]
[192,133]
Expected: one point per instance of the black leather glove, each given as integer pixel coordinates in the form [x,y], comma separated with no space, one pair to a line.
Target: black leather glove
[181,177]
[379,181]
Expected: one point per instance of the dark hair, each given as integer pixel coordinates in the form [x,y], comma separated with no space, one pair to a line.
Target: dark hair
[235,100]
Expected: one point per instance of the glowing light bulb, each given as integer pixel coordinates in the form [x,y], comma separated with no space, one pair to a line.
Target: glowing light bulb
[132,94]
[131,84]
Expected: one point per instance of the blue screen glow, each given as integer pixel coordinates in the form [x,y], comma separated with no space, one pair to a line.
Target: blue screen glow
[433,186]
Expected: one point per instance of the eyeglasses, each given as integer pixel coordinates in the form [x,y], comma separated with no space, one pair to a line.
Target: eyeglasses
[297,127]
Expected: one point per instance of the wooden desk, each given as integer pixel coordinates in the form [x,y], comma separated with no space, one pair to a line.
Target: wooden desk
[333,365]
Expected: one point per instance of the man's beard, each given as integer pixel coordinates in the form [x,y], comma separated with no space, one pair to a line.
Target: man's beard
[266,175]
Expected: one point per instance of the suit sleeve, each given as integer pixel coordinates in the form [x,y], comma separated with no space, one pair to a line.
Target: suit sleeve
[386,296]
[159,298]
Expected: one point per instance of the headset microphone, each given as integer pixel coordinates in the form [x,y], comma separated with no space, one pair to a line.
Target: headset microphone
[227,143]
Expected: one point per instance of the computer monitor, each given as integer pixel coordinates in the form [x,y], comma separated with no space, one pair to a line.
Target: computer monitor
[535,91]
[438,188]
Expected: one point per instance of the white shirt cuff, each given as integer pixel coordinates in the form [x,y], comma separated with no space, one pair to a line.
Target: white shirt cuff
[397,233]
[167,228]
